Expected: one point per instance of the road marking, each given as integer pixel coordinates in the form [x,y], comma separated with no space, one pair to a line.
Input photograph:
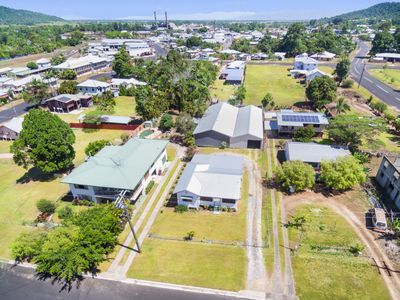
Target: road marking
[355,69]
[398,98]
[369,80]
[379,87]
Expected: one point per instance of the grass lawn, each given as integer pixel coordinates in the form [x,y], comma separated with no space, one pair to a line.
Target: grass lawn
[213,266]
[261,79]
[385,142]
[18,200]
[171,152]
[332,273]
[388,76]
[327,69]
[222,91]
[228,226]
[5,146]
[125,106]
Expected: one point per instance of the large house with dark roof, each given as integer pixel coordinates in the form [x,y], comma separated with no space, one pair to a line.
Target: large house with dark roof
[65,103]
[117,168]
[236,127]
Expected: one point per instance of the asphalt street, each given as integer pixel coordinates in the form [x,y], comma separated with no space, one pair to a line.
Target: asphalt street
[12,112]
[382,91]
[21,283]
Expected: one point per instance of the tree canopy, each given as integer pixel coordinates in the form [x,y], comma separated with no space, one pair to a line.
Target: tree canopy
[45,142]
[36,92]
[94,147]
[343,174]
[321,91]
[68,87]
[295,174]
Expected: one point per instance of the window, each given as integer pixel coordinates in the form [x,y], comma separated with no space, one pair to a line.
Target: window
[207,199]
[382,174]
[229,201]
[186,199]
[385,164]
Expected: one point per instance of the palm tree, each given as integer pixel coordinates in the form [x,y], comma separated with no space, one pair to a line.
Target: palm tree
[342,106]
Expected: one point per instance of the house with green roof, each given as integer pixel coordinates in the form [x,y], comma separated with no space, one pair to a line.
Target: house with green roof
[115,168]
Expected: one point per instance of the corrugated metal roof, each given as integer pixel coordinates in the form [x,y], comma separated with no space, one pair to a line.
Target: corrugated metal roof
[314,153]
[232,121]
[216,176]
[15,124]
[119,167]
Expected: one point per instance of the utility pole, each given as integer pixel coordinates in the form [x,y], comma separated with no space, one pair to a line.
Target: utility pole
[166,20]
[155,19]
[120,203]
[361,77]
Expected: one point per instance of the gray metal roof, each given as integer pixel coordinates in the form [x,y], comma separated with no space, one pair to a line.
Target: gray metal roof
[232,121]
[314,153]
[115,119]
[216,176]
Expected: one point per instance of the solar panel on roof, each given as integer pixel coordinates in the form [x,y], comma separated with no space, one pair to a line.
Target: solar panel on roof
[300,118]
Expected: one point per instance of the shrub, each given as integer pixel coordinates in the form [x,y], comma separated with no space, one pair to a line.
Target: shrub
[357,249]
[94,147]
[27,245]
[93,117]
[304,134]
[32,65]
[149,186]
[189,236]
[124,138]
[83,202]
[46,206]
[389,116]
[296,175]
[65,212]
[181,209]
[166,122]
[363,158]
[378,106]
[347,84]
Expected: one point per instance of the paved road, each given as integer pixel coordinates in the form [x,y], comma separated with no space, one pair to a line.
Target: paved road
[12,112]
[20,283]
[384,92]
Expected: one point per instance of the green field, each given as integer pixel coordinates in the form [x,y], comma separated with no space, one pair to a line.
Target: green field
[5,146]
[323,267]
[18,199]
[388,76]
[222,91]
[275,79]
[195,264]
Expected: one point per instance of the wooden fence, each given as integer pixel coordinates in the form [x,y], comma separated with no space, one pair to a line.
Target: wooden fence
[133,127]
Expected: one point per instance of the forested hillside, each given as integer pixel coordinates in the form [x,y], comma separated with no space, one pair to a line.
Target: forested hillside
[24,17]
[387,10]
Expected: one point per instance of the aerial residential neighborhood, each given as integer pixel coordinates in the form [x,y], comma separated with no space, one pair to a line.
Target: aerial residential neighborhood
[199,150]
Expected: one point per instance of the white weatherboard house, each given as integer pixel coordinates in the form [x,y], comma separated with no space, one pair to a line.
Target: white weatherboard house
[10,130]
[289,121]
[313,153]
[211,180]
[305,63]
[93,87]
[237,127]
[116,168]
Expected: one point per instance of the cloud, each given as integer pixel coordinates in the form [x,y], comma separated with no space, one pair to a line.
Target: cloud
[217,15]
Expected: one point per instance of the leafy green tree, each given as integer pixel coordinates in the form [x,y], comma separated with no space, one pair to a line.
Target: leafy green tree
[36,92]
[122,64]
[342,106]
[239,95]
[45,142]
[94,147]
[68,75]
[57,60]
[27,245]
[65,212]
[351,130]
[166,122]
[268,44]
[379,106]
[76,38]
[93,117]
[294,42]
[343,174]
[383,42]
[321,91]
[184,123]
[105,101]
[32,65]
[296,175]
[268,101]
[343,69]
[68,87]
[304,134]
[46,206]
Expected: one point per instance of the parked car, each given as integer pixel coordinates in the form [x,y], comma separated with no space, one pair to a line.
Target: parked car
[378,217]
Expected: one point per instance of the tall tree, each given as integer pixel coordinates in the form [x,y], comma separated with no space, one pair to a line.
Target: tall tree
[45,142]
[268,101]
[36,92]
[68,87]
[321,91]
[122,64]
[383,42]
[294,42]
[295,174]
[343,69]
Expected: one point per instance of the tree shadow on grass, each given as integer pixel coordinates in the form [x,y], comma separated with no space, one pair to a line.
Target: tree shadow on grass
[34,174]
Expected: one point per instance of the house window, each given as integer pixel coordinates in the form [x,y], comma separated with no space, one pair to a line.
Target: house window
[396,175]
[316,125]
[385,164]
[382,174]
[229,201]
[186,199]
[207,199]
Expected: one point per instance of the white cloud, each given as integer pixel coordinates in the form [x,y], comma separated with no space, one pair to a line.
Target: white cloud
[217,15]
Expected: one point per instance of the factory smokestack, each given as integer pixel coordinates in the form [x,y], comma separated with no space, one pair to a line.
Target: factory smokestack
[155,18]
[166,20]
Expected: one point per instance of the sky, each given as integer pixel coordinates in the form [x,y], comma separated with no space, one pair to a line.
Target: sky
[192,9]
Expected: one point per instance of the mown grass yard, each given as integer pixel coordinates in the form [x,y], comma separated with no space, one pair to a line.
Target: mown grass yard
[388,76]
[323,267]
[222,91]
[204,265]
[275,79]
[5,146]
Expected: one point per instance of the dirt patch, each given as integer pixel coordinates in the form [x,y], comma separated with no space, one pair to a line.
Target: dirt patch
[355,100]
